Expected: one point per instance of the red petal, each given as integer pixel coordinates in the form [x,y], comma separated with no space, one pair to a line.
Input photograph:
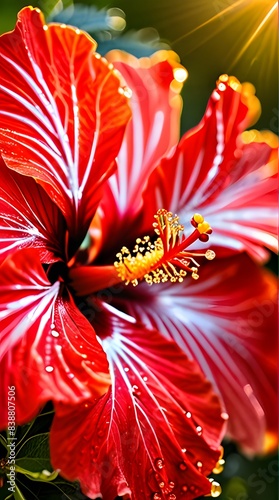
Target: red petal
[48,349]
[150,135]
[62,115]
[227,322]
[214,173]
[133,439]
[28,217]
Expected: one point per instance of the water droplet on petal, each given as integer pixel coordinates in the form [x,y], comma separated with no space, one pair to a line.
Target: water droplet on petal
[194,489]
[183,450]
[127,92]
[161,484]
[224,415]
[188,414]
[171,496]
[183,466]
[157,496]
[171,485]
[216,489]
[126,369]
[70,375]
[159,463]
[222,87]
[199,430]
[136,390]
[184,488]
[54,333]
[49,368]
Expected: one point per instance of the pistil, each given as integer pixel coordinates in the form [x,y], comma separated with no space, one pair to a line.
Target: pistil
[165,259]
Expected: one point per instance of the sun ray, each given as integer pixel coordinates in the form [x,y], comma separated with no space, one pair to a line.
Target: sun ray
[255,33]
[217,16]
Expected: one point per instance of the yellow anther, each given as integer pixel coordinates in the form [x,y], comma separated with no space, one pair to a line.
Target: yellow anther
[198,218]
[210,255]
[203,227]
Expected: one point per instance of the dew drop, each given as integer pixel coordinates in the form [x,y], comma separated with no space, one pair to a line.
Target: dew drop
[45,27]
[52,326]
[199,465]
[145,379]
[183,466]
[70,375]
[157,496]
[184,488]
[224,415]
[49,368]
[183,450]
[127,92]
[54,333]
[171,496]
[216,489]
[171,485]
[136,390]
[159,463]
[126,369]
[222,87]
[188,414]
[199,430]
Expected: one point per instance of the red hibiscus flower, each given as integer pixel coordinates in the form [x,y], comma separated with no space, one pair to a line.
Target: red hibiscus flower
[142,418]
[63,115]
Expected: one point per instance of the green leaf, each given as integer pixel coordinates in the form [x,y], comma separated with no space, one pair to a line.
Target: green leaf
[18,495]
[33,456]
[3,441]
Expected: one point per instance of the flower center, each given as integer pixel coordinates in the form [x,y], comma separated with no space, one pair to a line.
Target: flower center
[165,259]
